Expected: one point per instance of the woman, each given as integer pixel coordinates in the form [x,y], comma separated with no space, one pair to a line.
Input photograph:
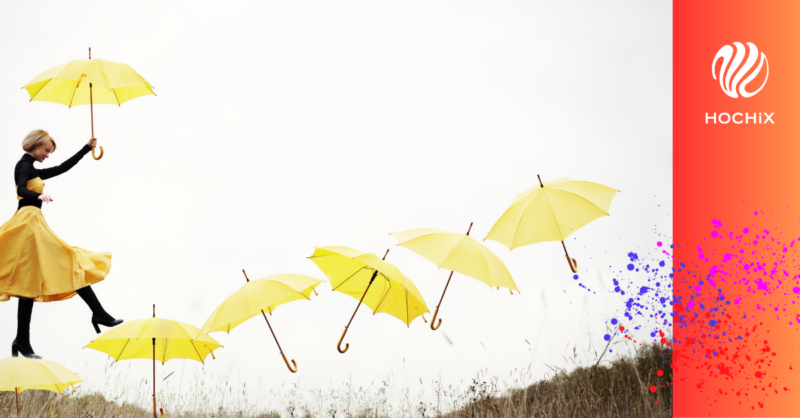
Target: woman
[35,264]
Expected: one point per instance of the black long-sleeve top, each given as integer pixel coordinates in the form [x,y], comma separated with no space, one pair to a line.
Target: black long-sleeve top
[25,171]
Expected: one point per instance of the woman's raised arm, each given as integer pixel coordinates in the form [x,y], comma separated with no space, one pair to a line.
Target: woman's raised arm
[66,165]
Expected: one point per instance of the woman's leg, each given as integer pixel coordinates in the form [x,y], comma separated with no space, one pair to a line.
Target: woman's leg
[99,315]
[22,343]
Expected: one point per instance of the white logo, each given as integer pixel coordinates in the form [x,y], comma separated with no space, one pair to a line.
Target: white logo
[730,76]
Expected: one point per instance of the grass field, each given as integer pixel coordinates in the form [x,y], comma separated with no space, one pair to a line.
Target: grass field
[626,387]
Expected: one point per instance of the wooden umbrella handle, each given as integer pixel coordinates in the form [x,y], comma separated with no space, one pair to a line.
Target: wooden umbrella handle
[433,320]
[346,346]
[91,111]
[573,264]
[436,313]
[287,364]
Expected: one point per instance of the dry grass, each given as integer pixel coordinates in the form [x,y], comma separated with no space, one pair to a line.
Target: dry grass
[620,388]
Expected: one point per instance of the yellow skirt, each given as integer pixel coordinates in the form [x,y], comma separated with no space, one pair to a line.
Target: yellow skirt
[35,263]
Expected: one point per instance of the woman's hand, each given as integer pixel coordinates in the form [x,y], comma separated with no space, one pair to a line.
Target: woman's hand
[45,198]
[92,142]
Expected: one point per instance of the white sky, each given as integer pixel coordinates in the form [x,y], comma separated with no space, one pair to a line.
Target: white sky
[280,126]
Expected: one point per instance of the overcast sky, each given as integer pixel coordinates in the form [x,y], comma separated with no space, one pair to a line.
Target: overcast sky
[280,126]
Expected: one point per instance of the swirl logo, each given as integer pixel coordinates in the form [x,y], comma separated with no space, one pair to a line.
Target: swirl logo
[731,73]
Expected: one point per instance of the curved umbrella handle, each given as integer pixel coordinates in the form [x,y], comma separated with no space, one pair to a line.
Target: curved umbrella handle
[433,320]
[573,264]
[160,409]
[96,157]
[346,346]
[287,364]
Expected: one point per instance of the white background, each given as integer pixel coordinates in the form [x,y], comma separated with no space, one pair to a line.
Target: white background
[280,126]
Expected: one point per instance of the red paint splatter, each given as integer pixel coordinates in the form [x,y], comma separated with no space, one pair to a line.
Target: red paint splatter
[660,373]
[653,389]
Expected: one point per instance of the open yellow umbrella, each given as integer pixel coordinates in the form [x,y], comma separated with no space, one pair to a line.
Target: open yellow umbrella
[19,374]
[353,273]
[156,338]
[255,297]
[88,81]
[551,212]
[457,252]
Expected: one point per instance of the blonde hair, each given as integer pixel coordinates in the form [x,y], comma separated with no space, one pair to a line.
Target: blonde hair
[36,138]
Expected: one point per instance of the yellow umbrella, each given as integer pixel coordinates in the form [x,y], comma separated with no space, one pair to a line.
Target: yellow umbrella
[353,273]
[155,338]
[457,252]
[19,374]
[551,212]
[255,297]
[89,81]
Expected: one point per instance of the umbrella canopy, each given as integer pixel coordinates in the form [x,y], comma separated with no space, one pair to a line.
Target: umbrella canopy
[551,212]
[350,271]
[18,374]
[68,84]
[457,253]
[257,296]
[373,281]
[173,340]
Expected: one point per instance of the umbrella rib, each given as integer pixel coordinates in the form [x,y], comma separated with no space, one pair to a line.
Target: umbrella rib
[198,353]
[572,212]
[123,349]
[73,94]
[519,221]
[485,262]
[351,276]
[40,90]
[587,200]
[164,357]
[453,250]
[554,215]
[407,324]
[385,294]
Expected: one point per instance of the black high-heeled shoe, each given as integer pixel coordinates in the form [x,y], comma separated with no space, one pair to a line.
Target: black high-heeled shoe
[99,315]
[105,320]
[25,349]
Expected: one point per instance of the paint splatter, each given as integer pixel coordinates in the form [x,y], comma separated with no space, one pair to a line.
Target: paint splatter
[733,285]
[647,305]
